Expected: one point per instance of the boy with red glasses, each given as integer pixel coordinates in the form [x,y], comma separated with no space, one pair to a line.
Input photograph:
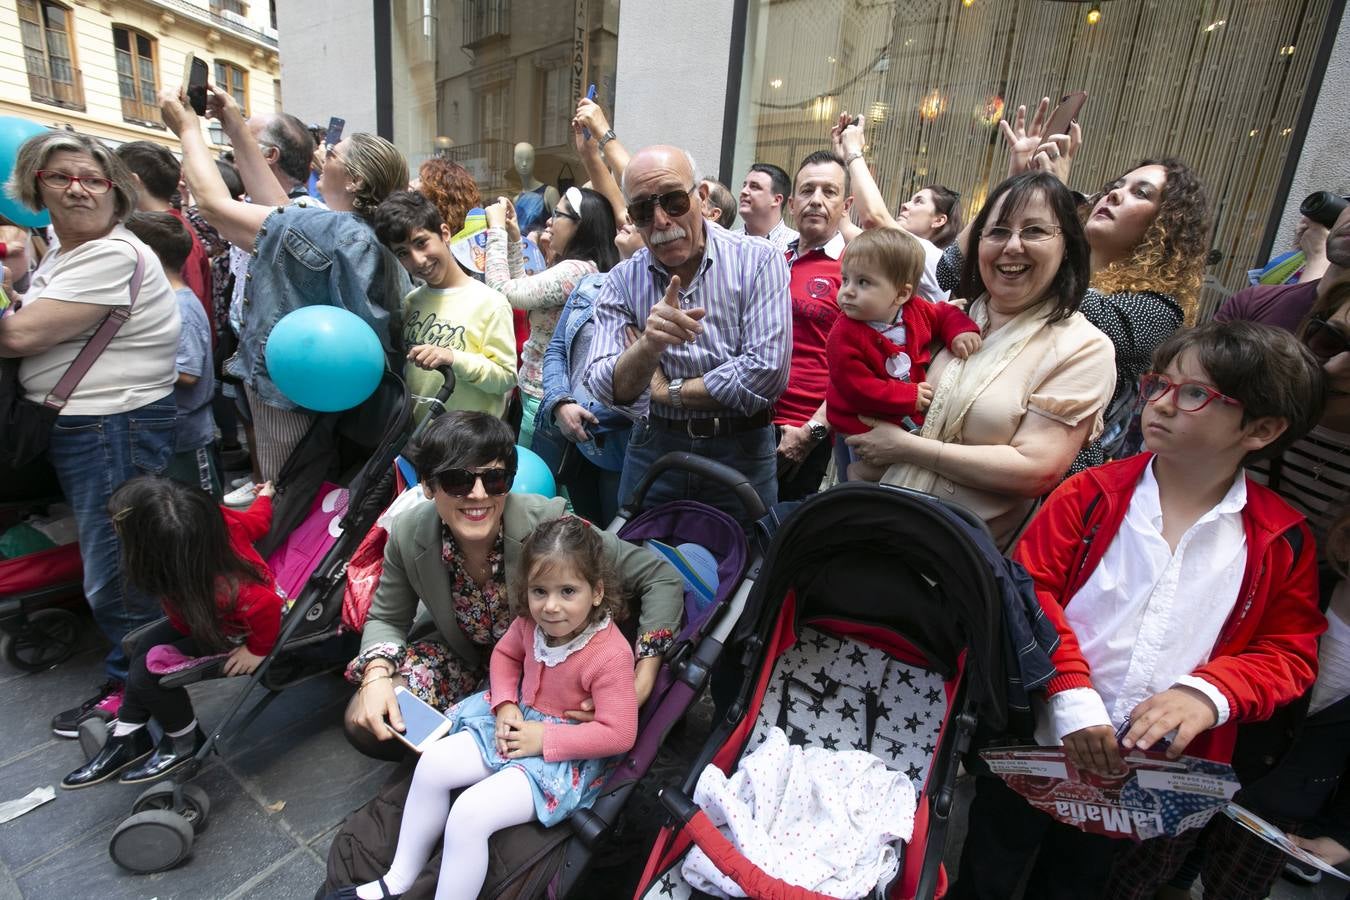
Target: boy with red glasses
[1185,596]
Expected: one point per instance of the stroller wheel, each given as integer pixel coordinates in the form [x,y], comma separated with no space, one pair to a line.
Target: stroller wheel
[195,808]
[47,639]
[151,841]
[93,735]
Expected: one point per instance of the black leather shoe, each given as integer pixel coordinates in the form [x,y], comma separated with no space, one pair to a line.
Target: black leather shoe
[171,753]
[117,754]
[349,893]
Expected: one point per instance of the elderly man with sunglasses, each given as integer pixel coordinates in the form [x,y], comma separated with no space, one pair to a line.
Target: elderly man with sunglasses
[692,338]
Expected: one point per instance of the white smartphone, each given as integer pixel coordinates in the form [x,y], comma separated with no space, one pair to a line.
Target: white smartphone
[423,724]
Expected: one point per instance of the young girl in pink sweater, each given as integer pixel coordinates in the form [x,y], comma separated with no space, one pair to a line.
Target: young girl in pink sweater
[523,759]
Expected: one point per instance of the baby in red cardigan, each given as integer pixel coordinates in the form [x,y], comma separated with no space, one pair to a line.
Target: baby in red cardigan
[512,749]
[879,349]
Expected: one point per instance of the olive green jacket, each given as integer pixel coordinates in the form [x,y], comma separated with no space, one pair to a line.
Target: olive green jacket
[414,570]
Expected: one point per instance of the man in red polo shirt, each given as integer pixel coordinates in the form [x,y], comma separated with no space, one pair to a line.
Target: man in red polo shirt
[819,203]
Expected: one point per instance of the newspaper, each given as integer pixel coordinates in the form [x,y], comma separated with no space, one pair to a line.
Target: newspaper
[1156,796]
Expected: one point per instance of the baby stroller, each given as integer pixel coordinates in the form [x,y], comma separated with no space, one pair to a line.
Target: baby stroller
[529,860]
[38,630]
[874,626]
[165,818]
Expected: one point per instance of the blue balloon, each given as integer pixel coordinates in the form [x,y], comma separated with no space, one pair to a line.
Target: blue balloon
[532,475]
[324,358]
[13,132]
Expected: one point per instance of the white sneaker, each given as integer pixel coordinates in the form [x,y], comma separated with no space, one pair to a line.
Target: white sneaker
[240,481]
[242,496]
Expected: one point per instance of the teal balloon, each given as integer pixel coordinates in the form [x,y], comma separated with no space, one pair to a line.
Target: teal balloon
[13,132]
[324,358]
[532,475]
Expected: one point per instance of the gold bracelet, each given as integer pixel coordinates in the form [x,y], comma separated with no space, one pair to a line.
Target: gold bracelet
[373,679]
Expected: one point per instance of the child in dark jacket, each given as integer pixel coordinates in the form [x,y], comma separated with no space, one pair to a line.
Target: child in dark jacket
[1185,595]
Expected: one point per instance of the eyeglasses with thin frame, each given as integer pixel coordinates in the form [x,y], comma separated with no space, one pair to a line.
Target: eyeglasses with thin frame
[60,181]
[461,482]
[1190,396]
[676,203]
[1030,234]
[1324,339]
[559,212]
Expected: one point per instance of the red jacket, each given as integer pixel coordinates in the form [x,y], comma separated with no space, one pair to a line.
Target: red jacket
[1266,655]
[255,612]
[859,383]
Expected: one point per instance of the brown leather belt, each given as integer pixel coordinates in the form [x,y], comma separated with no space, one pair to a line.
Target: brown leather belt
[714,426]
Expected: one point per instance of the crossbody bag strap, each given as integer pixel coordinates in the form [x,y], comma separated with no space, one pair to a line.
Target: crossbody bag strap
[95,346]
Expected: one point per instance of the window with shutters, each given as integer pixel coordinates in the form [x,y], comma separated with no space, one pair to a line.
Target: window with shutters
[47,31]
[136,79]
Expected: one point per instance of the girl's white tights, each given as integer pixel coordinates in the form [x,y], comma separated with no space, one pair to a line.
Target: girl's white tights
[495,801]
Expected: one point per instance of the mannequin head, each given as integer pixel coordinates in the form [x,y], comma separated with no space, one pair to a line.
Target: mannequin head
[524,158]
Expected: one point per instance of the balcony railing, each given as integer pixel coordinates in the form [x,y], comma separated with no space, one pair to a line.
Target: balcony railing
[488,161]
[486,20]
[67,92]
[227,13]
[140,113]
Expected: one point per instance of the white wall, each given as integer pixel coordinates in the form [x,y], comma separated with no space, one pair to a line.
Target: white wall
[328,62]
[1324,164]
[672,76]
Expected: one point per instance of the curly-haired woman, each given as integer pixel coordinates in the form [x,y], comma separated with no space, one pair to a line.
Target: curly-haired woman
[1148,231]
[450,186]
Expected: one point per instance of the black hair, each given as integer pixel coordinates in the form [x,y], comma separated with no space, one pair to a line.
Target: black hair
[158,169]
[947,202]
[594,237]
[1266,369]
[572,540]
[461,439]
[402,213]
[229,172]
[779,182]
[1071,279]
[175,546]
[295,145]
[825,156]
[163,233]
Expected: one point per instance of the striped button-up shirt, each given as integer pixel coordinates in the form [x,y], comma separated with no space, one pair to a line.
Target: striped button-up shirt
[742,354]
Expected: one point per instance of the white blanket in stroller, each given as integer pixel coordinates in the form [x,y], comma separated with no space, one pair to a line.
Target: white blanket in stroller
[820,819]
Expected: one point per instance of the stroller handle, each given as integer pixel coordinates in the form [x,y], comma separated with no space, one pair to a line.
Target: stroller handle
[708,469]
[436,405]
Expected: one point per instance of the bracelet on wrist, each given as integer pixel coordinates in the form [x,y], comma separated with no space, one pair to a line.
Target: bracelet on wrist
[365,682]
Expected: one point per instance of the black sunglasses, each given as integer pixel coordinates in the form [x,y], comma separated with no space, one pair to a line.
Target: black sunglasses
[675,203]
[460,482]
[1324,339]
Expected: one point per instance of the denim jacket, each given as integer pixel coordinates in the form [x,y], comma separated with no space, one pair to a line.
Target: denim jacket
[307,257]
[557,368]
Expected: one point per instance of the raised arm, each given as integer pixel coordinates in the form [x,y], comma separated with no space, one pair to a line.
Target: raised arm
[237,222]
[850,143]
[260,184]
[591,116]
[602,182]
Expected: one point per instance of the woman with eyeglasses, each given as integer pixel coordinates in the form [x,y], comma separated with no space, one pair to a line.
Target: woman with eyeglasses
[1148,236]
[302,255]
[119,418]
[456,554]
[1006,422]
[580,239]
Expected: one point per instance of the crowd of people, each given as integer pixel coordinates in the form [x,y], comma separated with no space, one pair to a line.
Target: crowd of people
[1176,489]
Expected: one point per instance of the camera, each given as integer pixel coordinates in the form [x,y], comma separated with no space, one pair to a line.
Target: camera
[1323,207]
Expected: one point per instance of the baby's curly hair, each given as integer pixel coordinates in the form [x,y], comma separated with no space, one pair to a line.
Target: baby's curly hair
[450,186]
[1170,259]
[573,541]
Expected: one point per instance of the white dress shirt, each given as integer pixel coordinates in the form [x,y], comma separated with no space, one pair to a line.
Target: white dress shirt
[1147,617]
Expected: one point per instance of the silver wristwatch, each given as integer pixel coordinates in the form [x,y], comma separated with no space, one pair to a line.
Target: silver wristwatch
[605,139]
[675,385]
[818,431]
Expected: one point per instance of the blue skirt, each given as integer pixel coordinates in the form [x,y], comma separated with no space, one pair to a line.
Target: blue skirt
[559,787]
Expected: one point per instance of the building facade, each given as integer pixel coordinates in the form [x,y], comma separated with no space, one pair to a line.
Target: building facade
[98,65]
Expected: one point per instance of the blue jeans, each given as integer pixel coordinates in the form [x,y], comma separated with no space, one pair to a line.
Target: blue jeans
[593,491]
[92,456]
[752,453]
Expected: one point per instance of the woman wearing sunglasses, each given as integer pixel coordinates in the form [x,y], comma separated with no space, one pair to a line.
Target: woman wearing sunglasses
[456,555]
[118,420]
[580,239]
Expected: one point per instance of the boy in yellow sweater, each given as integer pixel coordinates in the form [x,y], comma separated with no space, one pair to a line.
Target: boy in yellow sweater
[451,319]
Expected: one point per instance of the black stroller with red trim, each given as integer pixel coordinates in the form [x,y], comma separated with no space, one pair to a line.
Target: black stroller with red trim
[876,624]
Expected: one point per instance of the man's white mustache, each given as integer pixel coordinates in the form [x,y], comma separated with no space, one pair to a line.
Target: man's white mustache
[665,237]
